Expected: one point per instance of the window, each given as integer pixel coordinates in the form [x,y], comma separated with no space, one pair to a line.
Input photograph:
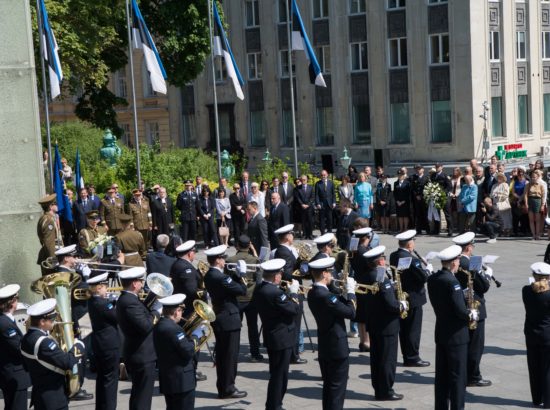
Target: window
[398,52]
[494,46]
[189,131]
[147,86]
[546,113]
[283,11]
[436,1]
[523,114]
[323,58]
[439,49]
[320,9]
[359,57]
[152,132]
[441,121]
[220,69]
[496,117]
[357,6]
[283,64]
[400,133]
[361,124]
[252,13]
[254,66]
[121,88]
[125,138]
[325,131]
[224,121]
[520,45]
[546,45]
[396,4]
[257,129]
[287,130]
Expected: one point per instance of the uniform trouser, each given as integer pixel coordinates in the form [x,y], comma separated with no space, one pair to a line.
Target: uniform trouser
[13,399]
[251,313]
[409,334]
[146,233]
[298,323]
[209,232]
[383,360]
[325,219]
[279,361]
[106,385]
[475,351]
[143,381]
[180,401]
[450,376]
[420,213]
[227,355]
[335,381]
[188,230]
[538,363]
[448,218]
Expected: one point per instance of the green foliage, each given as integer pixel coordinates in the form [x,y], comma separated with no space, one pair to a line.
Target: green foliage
[96,106]
[277,166]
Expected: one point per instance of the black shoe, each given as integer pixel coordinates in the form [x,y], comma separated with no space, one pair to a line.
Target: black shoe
[391,397]
[200,377]
[299,360]
[258,358]
[480,383]
[237,394]
[364,348]
[418,363]
[82,395]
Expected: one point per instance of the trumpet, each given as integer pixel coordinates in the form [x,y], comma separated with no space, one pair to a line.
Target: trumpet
[302,291]
[361,288]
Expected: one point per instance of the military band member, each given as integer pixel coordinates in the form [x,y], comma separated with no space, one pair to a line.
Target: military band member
[105,342]
[14,379]
[136,323]
[330,311]
[451,331]
[90,233]
[185,277]
[131,242]
[48,231]
[481,282]
[111,208]
[277,311]
[412,279]
[43,358]
[223,290]
[142,218]
[536,298]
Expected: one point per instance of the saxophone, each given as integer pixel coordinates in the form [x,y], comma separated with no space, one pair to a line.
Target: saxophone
[401,295]
[470,299]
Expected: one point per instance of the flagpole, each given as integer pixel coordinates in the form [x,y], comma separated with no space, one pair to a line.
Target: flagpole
[216,119]
[45,90]
[133,86]
[293,114]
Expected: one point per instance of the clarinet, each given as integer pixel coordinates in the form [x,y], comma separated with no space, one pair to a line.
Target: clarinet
[422,260]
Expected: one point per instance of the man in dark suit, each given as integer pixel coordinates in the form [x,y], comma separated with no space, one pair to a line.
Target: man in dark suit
[277,311]
[345,223]
[96,201]
[245,184]
[158,261]
[279,215]
[418,181]
[287,190]
[325,201]
[238,211]
[80,208]
[187,204]
[163,214]
[305,199]
[257,227]
[490,180]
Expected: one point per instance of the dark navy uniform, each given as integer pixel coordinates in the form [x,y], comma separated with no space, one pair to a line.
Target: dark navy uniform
[477,336]
[537,338]
[330,311]
[361,274]
[47,368]
[278,312]
[187,204]
[412,282]
[14,380]
[106,349]
[136,323]
[186,279]
[451,339]
[175,353]
[223,291]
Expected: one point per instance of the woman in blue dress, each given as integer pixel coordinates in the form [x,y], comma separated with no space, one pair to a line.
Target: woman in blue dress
[362,194]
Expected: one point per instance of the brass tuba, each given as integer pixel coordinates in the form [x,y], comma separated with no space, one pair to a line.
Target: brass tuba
[160,286]
[203,312]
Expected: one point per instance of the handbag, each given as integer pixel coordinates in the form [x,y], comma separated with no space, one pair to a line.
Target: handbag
[503,205]
[223,230]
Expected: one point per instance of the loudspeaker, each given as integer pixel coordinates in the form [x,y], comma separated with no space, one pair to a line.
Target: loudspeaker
[328,165]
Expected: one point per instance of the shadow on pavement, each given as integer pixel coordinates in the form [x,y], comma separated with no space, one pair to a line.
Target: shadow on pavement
[408,376]
[504,352]
[496,401]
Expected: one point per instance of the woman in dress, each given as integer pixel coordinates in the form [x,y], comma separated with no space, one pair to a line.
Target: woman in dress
[519,210]
[206,207]
[534,197]
[223,214]
[345,190]
[352,174]
[402,196]
[363,198]
[385,205]
[500,193]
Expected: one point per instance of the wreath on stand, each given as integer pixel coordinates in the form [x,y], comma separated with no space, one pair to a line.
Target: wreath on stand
[435,199]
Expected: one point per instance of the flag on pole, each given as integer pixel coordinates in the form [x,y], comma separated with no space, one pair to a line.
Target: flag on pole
[63,205]
[300,41]
[78,180]
[51,56]
[222,48]
[141,38]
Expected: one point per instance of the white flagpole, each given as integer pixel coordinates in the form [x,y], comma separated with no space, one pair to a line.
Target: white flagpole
[290,75]
[216,119]
[133,86]
[45,91]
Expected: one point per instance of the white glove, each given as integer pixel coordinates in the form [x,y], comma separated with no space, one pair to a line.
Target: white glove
[294,286]
[489,271]
[430,268]
[474,314]
[86,271]
[403,305]
[241,268]
[157,306]
[351,284]
[199,331]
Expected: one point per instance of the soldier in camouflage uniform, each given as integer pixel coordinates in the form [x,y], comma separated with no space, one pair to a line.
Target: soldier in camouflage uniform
[48,232]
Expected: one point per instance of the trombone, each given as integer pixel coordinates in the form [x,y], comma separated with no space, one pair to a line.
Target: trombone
[302,291]
[250,267]
[360,288]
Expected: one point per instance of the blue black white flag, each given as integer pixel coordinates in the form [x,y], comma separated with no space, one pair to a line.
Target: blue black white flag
[78,180]
[141,38]
[300,41]
[222,48]
[50,53]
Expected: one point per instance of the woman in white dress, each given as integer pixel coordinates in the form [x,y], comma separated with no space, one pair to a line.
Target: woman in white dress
[257,196]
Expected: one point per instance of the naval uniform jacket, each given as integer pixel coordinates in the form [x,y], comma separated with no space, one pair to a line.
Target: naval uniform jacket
[186,279]
[284,252]
[481,285]
[384,310]
[537,315]
[12,374]
[223,292]
[413,278]
[104,324]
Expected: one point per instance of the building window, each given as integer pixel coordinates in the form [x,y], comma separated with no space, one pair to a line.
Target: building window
[546,45]
[220,69]
[283,64]
[254,66]
[125,138]
[359,57]
[283,11]
[361,124]
[357,6]
[320,9]
[439,49]
[494,46]
[152,132]
[496,117]
[523,114]
[400,129]
[252,13]
[287,130]
[121,86]
[323,58]
[441,121]
[398,52]
[437,1]
[325,130]
[396,4]
[546,101]
[189,131]
[147,86]
[257,129]
[521,49]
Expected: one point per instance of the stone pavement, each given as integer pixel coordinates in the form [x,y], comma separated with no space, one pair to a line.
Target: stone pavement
[504,361]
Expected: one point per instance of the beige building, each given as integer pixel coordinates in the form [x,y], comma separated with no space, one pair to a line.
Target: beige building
[406,80]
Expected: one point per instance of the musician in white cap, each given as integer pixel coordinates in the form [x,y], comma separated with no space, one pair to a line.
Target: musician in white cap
[536,298]
[481,283]
[452,317]
[278,311]
[175,352]
[46,362]
[223,290]
[136,323]
[14,379]
[413,280]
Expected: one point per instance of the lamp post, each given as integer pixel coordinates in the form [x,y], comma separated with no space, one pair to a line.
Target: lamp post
[345,160]
[486,143]
[267,156]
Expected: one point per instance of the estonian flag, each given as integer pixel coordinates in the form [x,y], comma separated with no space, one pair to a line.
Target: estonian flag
[222,48]
[51,58]
[78,180]
[300,41]
[142,39]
